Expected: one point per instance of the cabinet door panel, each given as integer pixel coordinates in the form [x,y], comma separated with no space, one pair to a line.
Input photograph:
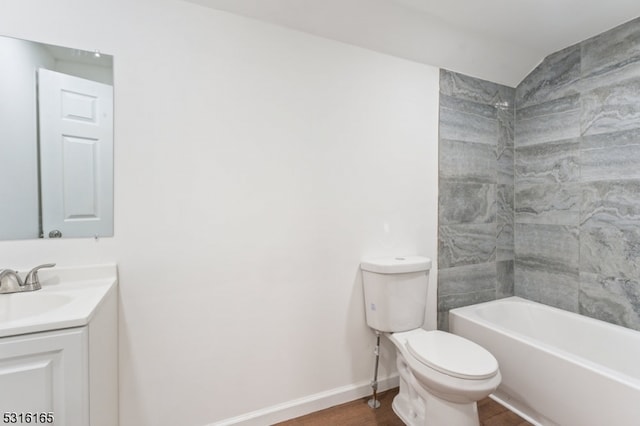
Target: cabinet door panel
[46,372]
[32,378]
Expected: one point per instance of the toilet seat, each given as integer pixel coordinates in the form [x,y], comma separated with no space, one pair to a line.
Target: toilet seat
[452,355]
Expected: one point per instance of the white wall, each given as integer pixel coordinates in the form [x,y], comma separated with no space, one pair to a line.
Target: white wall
[254,167]
[19,61]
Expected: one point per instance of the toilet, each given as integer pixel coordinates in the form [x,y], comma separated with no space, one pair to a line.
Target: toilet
[442,375]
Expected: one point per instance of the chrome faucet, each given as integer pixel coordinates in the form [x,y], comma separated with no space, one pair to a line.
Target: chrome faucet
[10,281]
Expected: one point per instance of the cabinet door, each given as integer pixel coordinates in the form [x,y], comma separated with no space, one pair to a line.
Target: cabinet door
[46,372]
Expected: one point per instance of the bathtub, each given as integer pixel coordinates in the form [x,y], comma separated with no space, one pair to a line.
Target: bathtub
[558,368]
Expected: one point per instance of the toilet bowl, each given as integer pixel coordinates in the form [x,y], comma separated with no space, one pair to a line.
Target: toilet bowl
[442,375]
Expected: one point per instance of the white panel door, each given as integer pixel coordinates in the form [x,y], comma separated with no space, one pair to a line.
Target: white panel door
[45,373]
[76,155]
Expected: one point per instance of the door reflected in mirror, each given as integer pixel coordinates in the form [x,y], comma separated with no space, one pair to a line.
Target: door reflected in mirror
[56,141]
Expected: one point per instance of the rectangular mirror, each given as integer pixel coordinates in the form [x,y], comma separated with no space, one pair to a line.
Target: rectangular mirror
[56,141]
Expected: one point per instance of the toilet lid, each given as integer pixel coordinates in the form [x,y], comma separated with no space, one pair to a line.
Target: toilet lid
[452,355]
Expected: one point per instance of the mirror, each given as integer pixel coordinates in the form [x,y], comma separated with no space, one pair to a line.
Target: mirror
[56,141]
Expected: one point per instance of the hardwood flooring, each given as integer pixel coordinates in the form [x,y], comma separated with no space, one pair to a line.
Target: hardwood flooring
[358,413]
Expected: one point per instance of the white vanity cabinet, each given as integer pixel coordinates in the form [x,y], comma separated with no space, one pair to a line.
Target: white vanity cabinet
[66,375]
[46,375]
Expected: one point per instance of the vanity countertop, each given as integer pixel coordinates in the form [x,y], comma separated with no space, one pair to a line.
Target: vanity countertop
[69,298]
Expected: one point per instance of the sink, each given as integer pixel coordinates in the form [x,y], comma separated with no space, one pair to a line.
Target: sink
[17,306]
[69,298]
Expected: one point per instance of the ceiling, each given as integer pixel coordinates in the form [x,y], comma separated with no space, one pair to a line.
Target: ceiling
[498,40]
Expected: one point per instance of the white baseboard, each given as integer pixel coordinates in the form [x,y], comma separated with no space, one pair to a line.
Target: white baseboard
[515,408]
[309,404]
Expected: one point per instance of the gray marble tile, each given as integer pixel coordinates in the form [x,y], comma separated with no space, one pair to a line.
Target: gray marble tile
[611,108]
[613,55]
[552,204]
[466,244]
[505,165]
[615,300]
[452,301]
[505,149]
[554,78]
[551,162]
[616,74]
[443,320]
[469,107]
[505,218]
[467,162]
[467,279]
[610,249]
[508,95]
[547,128]
[506,127]
[611,202]
[505,203]
[554,248]
[610,230]
[461,126]
[556,106]
[504,242]
[549,286]
[464,87]
[466,203]
[505,279]
[611,156]
[611,140]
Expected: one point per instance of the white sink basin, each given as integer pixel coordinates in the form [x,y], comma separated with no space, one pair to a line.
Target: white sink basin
[17,306]
[68,298]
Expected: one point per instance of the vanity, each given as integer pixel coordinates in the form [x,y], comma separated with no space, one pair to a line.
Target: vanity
[59,350]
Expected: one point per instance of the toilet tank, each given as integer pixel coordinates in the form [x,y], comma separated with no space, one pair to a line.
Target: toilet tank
[395,292]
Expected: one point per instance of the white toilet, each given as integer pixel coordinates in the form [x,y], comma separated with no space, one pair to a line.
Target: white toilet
[442,375]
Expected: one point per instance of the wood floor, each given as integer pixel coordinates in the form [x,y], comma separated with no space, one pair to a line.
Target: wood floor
[358,413]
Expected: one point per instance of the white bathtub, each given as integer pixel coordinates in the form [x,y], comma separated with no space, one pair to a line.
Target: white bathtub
[558,368]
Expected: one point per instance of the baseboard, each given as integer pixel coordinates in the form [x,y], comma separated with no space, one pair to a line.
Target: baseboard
[515,408]
[309,404]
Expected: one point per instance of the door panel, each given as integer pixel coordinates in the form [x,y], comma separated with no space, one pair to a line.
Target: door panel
[80,178]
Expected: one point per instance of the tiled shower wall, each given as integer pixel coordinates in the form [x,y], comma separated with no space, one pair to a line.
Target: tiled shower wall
[476,186]
[576,183]
[577,179]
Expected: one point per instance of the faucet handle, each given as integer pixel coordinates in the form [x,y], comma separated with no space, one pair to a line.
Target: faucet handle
[32,277]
